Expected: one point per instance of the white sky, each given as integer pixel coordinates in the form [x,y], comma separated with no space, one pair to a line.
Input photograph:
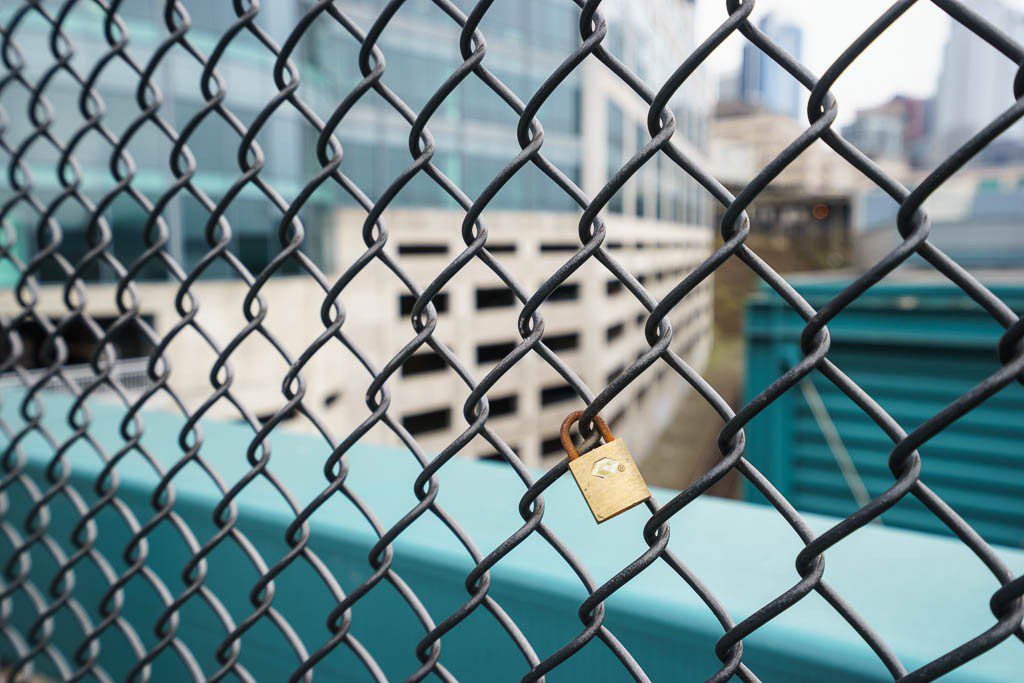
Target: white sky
[905,59]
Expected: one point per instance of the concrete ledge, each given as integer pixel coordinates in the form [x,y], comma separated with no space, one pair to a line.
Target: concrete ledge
[924,594]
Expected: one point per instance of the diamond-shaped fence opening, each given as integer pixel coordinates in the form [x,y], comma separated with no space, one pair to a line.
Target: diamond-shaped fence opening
[243,240]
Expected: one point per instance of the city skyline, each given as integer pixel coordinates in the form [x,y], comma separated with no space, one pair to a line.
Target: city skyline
[915,41]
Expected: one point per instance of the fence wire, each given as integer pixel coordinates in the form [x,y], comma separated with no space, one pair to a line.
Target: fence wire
[58,606]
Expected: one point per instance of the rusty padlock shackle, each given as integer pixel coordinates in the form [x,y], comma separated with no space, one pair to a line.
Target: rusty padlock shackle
[571,419]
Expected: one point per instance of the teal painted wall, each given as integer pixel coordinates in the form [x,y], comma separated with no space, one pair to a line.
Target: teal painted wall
[17,241]
[914,347]
[744,553]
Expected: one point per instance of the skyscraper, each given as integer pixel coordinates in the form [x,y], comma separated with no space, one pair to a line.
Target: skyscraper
[975,86]
[764,83]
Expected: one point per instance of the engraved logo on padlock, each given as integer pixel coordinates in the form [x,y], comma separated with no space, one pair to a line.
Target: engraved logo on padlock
[610,481]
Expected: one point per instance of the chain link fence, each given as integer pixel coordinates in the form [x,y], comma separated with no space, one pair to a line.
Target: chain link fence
[37,366]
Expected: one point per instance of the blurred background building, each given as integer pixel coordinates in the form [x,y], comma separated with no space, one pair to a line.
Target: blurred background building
[765,84]
[821,224]
[758,112]
[897,131]
[975,86]
[821,195]
[658,225]
[975,218]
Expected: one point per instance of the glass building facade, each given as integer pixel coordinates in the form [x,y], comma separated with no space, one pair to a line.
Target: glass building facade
[473,129]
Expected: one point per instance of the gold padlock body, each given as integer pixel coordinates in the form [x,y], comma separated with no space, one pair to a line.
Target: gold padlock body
[609,480]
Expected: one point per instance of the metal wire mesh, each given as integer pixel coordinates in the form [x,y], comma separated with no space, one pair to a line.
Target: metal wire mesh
[55,604]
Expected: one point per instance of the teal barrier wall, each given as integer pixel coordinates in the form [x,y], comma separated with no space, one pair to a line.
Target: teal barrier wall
[8,273]
[744,553]
[914,347]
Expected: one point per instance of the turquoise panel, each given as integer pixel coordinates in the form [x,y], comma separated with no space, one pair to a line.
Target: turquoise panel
[914,347]
[743,552]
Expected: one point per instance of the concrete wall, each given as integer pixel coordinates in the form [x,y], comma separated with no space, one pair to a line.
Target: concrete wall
[336,382]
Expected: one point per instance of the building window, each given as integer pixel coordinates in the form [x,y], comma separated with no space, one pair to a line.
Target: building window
[422,363]
[559,394]
[614,332]
[613,374]
[494,297]
[406,301]
[498,456]
[565,292]
[503,405]
[613,287]
[552,446]
[560,112]
[127,341]
[421,249]
[490,353]
[562,342]
[554,247]
[616,151]
[429,421]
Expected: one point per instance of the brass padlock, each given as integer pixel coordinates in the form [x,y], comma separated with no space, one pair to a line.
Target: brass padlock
[607,476]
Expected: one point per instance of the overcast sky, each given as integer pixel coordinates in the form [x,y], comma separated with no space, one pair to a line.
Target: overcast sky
[905,59]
